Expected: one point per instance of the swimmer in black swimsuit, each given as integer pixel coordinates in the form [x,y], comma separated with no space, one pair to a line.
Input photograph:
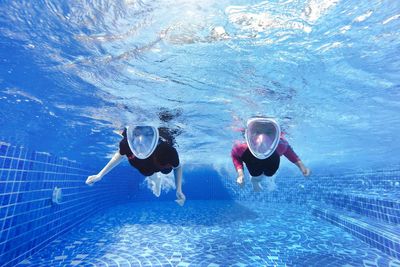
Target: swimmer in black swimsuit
[164,159]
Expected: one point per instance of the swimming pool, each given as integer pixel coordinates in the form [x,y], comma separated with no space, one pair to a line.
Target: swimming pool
[208,233]
[73,74]
[322,221]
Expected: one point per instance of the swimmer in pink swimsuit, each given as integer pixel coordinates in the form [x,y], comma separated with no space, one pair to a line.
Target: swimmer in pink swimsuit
[257,165]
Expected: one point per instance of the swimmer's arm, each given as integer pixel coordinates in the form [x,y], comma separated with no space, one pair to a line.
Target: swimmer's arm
[236,159]
[238,163]
[292,156]
[181,198]
[114,161]
[178,178]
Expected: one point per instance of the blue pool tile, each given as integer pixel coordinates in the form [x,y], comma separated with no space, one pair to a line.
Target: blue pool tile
[3,149]
[7,163]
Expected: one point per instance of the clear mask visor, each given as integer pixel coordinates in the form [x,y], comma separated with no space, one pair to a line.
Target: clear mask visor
[142,140]
[262,136]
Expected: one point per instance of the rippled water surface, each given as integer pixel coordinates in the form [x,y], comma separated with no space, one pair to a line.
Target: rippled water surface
[72,72]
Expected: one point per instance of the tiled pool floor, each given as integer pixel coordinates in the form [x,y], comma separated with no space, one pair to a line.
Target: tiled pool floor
[208,233]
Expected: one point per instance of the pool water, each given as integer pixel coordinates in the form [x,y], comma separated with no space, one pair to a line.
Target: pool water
[208,233]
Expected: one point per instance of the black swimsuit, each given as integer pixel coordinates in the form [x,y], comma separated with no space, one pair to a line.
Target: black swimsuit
[147,167]
[257,167]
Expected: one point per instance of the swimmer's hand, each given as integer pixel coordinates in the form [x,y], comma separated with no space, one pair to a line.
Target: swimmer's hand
[240,178]
[92,179]
[240,181]
[180,198]
[306,172]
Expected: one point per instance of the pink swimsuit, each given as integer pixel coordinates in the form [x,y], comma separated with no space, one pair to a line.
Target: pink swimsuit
[283,149]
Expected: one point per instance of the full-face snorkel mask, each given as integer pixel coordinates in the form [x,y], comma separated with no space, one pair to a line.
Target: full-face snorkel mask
[262,136]
[142,140]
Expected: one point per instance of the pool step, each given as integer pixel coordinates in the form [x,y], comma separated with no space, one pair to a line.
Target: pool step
[381,235]
[382,208]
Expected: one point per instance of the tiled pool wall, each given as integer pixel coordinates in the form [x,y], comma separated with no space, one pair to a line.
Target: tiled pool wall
[28,218]
[373,194]
[366,204]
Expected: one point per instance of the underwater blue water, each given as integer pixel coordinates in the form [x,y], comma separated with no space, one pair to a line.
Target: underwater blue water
[74,72]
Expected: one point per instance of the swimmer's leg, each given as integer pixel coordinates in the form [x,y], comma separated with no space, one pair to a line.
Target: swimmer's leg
[255,180]
[271,185]
[154,184]
[157,185]
[119,132]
